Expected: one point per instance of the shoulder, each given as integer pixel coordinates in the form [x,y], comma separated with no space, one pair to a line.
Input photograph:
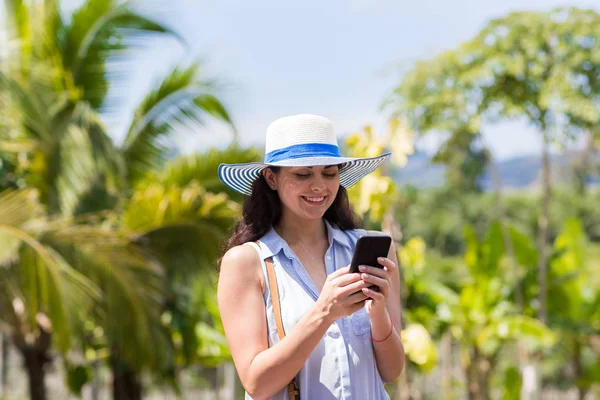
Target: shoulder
[240,264]
[239,256]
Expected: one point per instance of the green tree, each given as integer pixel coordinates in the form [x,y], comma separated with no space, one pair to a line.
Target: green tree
[540,66]
[482,319]
[573,307]
[465,159]
[55,83]
[40,291]
[48,279]
[182,217]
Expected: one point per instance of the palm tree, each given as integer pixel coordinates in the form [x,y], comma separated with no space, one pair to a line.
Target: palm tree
[41,292]
[182,216]
[55,81]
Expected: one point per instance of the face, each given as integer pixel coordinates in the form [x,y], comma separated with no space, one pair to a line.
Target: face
[307,192]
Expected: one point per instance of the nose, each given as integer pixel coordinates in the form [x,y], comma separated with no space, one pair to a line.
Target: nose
[318,184]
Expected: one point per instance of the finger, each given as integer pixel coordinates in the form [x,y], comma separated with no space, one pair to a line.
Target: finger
[357,297]
[382,283]
[353,287]
[389,264]
[377,296]
[339,272]
[344,280]
[377,271]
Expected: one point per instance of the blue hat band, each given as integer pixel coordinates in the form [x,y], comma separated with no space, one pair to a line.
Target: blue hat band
[302,151]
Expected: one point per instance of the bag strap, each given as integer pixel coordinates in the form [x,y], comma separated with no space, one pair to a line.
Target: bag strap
[273,288]
[293,390]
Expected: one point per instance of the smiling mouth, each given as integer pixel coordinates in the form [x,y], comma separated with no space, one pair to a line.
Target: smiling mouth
[315,200]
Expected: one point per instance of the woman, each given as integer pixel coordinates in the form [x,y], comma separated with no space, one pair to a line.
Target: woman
[341,336]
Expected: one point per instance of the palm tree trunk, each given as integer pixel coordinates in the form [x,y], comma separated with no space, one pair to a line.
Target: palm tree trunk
[578,368]
[3,365]
[478,374]
[35,359]
[543,229]
[126,384]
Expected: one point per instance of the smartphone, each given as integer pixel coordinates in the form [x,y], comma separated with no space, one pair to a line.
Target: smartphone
[368,249]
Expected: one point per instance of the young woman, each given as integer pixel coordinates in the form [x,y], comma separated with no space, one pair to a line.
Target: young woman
[341,329]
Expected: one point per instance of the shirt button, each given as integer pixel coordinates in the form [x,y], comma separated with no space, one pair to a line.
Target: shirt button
[328,257]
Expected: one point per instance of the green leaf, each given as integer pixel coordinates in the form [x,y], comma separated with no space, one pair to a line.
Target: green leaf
[99,29]
[472,251]
[182,98]
[525,251]
[17,208]
[493,249]
[48,286]
[512,384]
[528,331]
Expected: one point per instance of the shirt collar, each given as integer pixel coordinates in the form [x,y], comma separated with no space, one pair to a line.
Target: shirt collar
[336,234]
[272,243]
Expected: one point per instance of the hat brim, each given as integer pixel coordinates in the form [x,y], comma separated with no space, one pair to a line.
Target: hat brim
[241,177]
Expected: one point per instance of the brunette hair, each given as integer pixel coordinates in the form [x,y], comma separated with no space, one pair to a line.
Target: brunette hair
[262,210]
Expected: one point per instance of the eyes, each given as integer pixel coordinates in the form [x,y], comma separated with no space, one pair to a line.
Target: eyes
[329,174]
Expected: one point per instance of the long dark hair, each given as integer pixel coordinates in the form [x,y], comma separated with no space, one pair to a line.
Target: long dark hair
[262,210]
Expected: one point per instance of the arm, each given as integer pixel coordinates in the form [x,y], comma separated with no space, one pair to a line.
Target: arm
[265,371]
[389,353]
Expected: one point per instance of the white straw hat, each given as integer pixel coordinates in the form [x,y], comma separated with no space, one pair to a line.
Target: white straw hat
[302,140]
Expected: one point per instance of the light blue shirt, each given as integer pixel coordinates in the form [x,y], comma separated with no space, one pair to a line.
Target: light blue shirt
[342,366]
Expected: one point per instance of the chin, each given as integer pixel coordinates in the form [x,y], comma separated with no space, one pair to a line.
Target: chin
[314,214]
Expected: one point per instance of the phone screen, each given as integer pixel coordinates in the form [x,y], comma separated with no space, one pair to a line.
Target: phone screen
[368,249]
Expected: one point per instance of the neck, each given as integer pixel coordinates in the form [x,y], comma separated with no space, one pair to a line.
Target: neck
[294,230]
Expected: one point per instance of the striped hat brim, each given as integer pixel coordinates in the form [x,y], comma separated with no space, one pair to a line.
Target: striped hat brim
[241,177]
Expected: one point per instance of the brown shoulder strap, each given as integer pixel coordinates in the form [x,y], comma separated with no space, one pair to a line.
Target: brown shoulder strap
[275,297]
[293,391]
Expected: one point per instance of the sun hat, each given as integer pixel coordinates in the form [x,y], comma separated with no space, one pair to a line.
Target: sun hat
[302,140]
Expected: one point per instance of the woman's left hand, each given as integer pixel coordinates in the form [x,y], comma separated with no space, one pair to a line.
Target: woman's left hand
[380,277]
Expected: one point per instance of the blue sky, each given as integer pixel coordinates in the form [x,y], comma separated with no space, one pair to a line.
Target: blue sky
[335,58]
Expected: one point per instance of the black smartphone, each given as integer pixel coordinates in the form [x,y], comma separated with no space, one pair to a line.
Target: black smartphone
[368,249]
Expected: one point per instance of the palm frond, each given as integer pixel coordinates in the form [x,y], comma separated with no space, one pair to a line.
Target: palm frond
[182,98]
[183,227]
[72,170]
[202,168]
[17,146]
[70,150]
[132,285]
[34,118]
[156,206]
[99,28]
[37,275]
[17,208]
[19,26]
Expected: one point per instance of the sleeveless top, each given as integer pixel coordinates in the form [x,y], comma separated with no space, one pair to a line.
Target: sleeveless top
[342,365]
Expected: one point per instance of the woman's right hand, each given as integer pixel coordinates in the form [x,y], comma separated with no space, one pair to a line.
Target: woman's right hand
[341,294]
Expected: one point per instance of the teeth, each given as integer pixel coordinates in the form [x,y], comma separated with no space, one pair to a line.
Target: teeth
[315,199]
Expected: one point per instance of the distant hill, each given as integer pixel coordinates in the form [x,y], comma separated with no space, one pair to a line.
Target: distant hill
[515,173]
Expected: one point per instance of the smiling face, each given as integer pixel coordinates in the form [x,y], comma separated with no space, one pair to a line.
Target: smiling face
[306,192]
